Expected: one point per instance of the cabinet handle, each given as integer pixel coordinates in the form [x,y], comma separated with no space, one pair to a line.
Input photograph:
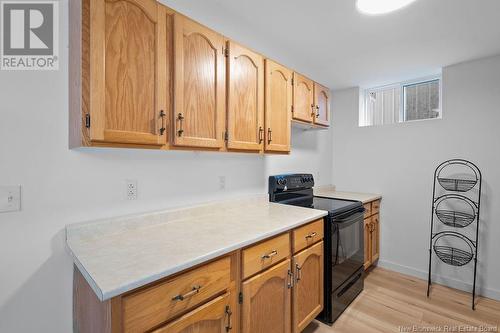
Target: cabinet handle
[261,134]
[311,235]
[317,111]
[194,291]
[290,279]
[228,313]
[162,116]
[269,255]
[180,118]
[299,273]
[269,135]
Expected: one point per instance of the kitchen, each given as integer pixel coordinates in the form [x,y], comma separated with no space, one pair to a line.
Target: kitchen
[97,204]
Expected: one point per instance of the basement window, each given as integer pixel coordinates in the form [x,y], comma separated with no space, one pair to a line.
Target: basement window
[401,102]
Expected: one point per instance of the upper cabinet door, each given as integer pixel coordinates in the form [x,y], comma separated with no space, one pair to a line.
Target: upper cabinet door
[125,72]
[322,102]
[199,103]
[278,107]
[245,113]
[303,98]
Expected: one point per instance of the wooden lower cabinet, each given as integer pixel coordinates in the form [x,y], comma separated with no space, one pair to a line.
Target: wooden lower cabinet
[372,233]
[230,294]
[213,317]
[266,301]
[308,289]
[368,242]
[375,238]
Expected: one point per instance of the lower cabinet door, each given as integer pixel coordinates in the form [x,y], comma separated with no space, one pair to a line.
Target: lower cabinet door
[375,239]
[308,289]
[212,317]
[266,301]
[368,242]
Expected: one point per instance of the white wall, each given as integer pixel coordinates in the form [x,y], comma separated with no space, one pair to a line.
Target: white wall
[398,161]
[62,186]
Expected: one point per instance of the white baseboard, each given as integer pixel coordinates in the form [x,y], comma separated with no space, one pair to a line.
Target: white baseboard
[453,283]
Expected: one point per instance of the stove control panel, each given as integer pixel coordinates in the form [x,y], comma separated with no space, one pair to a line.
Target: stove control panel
[286,182]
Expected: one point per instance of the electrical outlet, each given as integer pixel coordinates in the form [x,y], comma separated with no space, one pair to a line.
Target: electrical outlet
[10,198]
[131,189]
[222,182]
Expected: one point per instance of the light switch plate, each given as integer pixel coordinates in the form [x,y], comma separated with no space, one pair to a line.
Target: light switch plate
[10,198]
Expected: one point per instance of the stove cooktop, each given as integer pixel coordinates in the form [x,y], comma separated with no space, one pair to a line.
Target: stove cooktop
[333,206]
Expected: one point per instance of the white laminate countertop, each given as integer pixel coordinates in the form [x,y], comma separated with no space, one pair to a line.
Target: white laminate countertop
[330,192]
[121,254]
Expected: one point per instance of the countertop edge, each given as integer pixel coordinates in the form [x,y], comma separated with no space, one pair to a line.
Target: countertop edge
[104,295]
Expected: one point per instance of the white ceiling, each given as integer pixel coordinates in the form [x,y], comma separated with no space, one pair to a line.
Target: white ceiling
[336,45]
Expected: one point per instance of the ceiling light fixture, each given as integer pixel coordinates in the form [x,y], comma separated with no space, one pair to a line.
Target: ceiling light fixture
[376,7]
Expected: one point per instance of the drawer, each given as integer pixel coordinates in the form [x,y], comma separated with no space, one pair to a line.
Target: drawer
[149,307]
[214,316]
[263,255]
[375,206]
[307,235]
[368,209]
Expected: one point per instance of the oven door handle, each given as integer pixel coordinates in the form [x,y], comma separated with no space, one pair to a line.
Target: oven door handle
[343,223]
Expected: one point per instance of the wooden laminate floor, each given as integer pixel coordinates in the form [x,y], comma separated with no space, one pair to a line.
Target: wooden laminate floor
[393,302]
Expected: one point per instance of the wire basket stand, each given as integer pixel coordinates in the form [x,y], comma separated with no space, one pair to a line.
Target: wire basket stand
[456,189]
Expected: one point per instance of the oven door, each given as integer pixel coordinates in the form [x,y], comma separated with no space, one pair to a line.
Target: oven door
[347,235]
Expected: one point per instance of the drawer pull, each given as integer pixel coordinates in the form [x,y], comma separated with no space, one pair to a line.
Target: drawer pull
[290,279]
[299,273]
[228,313]
[269,255]
[311,235]
[194,291]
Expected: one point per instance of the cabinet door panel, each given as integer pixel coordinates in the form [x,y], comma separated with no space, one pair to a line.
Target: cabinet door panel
[322,104]
[303,98]
[368,242]
[124,73]
[246,98]
[213,317]
[278,107]
[199,85]
[308,288]
[266,301]
[375,238]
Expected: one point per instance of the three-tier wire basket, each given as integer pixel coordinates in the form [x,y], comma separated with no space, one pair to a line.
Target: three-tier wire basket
[456,200]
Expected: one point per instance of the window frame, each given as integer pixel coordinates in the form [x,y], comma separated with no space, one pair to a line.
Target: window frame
[402,98]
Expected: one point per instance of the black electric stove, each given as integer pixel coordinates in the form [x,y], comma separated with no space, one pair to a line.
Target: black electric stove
[344,239]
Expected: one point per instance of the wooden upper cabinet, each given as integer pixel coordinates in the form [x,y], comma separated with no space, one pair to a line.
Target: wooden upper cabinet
[308,289]
[126,71]
[199,103]
[245,113]
[278,98]
[303,98]
[266,301]
[322,102]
